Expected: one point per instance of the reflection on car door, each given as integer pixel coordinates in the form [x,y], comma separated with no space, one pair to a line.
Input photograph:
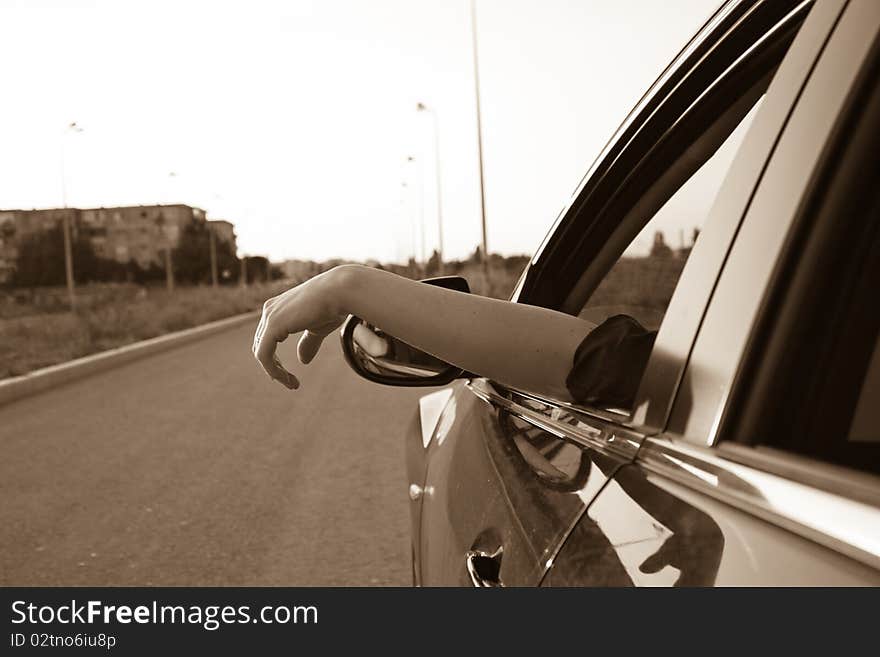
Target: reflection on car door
[508,477]
[665,531]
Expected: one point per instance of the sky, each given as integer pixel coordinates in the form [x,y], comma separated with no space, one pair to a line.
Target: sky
[296,120]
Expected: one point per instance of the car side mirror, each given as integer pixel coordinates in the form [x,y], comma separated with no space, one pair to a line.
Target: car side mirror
[382,358]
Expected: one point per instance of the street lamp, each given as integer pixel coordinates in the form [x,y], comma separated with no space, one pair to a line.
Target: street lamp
[412,228]
[72,128]
[213,248]
[166,251]
[65,220]
[479,139]
[421,177]
[421,107]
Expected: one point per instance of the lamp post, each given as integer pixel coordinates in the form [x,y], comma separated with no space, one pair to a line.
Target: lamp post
[169,261]
[420,173]
[412,228]
[65,221]
[213,248]
[479,140]
[421,107]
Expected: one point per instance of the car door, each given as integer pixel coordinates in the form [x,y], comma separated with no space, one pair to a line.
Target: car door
[502,488]
[766,470]
[512,473]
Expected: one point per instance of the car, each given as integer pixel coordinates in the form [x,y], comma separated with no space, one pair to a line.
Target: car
[737,212]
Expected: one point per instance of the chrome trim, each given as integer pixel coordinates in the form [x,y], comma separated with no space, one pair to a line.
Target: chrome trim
[582,428]
[784,23]
[843,524]
[837,479]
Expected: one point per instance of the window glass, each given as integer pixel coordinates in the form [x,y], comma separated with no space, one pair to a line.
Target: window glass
[641,282]
[865,425]
[810,383]
[826,400]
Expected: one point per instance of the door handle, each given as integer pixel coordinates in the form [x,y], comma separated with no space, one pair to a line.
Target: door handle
[484,568]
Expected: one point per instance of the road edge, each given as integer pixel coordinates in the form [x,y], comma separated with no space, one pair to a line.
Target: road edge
[37,381]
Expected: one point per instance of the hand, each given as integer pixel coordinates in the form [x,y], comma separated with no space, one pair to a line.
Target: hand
[311,307]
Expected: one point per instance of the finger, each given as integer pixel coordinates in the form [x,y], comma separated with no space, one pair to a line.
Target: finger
[289,379]
[271,365]
[308,346]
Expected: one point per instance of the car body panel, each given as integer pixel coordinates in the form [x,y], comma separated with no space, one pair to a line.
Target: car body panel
[498,483]
[683,516]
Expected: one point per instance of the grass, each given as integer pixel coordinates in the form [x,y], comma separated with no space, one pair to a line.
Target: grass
[112,316]
[36,331]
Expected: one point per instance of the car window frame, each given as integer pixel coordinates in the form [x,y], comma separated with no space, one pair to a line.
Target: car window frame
[660,381]
[735,28]
[649,108]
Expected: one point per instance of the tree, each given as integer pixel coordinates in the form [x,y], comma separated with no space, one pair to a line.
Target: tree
[191,258]
[434,264]
[228,266]
[256,269]
[40,259]
[660,249]
[476,257]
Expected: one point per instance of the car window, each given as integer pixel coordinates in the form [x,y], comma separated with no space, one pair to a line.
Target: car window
[826,362]
[678,124]
[622,248]
[865,425]
[828,390]
[810,381]
[641,282]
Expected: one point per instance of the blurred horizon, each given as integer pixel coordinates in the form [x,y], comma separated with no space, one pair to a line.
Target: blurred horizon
[295,120]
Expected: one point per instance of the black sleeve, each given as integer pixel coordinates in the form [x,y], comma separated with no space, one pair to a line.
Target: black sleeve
[609,363]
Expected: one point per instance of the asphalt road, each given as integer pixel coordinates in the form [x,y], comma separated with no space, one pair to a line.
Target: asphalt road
[191,468]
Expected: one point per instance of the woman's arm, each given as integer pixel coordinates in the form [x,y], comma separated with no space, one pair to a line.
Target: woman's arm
[526,347]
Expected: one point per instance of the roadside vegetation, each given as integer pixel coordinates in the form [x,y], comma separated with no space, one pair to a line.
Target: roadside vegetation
[110,316]
[38,330]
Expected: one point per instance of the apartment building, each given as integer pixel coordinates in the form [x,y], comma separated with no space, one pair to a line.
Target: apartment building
[138,233]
